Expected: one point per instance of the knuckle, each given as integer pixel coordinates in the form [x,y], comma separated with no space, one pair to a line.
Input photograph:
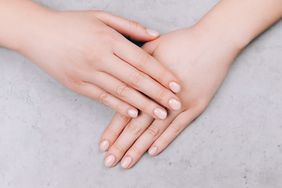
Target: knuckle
[104,98]
[121,108]
[134,24]
[163,142]
[118,149]
[163,77]
[162,96]
[72,86]
[176,130]
[135,150]
[121,90]
[122,118]
[71,80]
[143,59]
[153,131]
[112,133]
[134,129]
[136,78]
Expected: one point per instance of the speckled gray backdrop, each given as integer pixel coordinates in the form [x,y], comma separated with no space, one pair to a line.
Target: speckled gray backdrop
[49,135]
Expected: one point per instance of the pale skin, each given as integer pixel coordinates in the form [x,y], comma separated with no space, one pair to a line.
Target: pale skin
[87,52]
[200,57]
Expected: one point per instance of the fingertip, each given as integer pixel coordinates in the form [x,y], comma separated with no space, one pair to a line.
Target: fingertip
[109,161]
[104,145]
[133,113]
[174,87]
[160,113]
[174,104]
[153,33]
[153,151]
[126,162]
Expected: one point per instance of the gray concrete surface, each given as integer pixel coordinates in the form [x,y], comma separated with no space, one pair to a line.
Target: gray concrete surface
[49,135]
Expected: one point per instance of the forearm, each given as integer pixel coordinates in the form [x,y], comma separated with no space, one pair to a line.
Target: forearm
[17,18]
[238,22]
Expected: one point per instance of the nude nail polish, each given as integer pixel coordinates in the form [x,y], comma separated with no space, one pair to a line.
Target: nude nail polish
[109,161]
[160,113]
[104,145]
[175,87]
[174,104]
[153,32]
[125,163]
[132,113]
[153,151]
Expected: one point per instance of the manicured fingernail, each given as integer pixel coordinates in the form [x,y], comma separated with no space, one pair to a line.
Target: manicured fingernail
[160,113]
[125,163]
[174,104]
[153,33]
[104,145]
[109,161]
[175,87]
[153,151]
[133,113]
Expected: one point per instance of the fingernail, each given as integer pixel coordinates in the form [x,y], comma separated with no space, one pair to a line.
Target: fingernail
[175,87]
[174,104]
[132,113]
[153,33]
[104,145]
[160,113]
[125,163]
[109,161]
[153,150]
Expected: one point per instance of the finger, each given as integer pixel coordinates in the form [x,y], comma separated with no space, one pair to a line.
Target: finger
[150,47]
[142,83]
[112,131]
[124,141]
[127,27]
[107,99]
[143,143]
[174,129]
[144,62]
[128,94]
[128,136]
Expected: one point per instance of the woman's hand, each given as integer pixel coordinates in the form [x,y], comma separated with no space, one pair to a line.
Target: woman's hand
[201,65]
[201,58]
[86,52]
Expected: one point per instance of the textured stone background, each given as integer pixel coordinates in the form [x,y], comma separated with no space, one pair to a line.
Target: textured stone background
[49,135]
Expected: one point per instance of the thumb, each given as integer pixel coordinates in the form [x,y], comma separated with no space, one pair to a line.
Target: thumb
[150,47]
[127,27]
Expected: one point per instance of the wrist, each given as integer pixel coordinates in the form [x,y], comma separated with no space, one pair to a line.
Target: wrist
[230,23]
[18,19]
[221,34]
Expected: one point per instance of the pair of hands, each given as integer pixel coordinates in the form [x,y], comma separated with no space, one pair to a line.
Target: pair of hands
[87,53]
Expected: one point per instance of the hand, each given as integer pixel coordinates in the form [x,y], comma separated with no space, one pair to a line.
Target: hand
[85,51]
[201,64]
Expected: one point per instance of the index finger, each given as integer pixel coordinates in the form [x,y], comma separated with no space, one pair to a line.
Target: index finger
[144,62]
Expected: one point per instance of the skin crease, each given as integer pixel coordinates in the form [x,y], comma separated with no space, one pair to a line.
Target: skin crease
[86,51]
[201,57]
